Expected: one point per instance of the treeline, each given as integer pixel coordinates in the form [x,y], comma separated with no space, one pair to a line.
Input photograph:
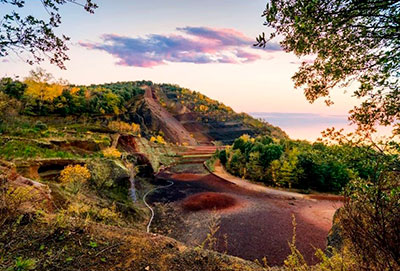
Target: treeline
[40,94]
[298,164]
[211,110]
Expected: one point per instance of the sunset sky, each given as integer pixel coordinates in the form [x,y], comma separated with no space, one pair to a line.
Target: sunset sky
[202,45]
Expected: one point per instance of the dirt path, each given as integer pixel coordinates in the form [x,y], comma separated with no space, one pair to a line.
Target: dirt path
[221,173]
[260,224]
[171,127]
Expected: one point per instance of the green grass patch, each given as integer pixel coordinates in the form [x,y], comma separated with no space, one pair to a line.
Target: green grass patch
[21,149]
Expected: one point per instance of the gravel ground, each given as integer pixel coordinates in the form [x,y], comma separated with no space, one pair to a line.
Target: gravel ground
[260,224]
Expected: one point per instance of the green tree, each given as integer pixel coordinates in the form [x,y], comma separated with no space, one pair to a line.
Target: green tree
[348,41]
[254,168]
[13,88]
[270,153]
[236,163]
[288,174]
[33,35]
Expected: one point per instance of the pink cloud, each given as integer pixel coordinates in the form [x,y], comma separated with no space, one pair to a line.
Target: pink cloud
[193,45]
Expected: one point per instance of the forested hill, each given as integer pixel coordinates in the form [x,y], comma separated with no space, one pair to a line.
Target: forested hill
[206,120]
[205,117]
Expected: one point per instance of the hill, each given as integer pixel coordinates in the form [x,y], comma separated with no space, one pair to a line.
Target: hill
[75,163]
[208,119]
[180,115]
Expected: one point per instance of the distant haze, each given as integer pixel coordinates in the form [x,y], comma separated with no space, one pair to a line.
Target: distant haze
[306,126]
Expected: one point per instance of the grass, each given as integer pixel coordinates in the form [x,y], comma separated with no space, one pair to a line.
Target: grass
[210,163]
[21,149]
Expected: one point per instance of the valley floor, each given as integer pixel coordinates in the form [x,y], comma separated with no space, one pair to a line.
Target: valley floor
[257,223]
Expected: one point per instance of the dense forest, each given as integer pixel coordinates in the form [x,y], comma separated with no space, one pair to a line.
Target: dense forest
[301,164]
[40,94]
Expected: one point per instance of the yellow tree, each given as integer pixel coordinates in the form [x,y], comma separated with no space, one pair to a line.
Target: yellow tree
[42,86]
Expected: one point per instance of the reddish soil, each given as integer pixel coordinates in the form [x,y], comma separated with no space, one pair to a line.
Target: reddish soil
[261,227]
[208,201]
[186,176]
[327,197]
[258,224]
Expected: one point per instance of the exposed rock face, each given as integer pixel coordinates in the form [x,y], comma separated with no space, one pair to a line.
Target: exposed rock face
[128,143]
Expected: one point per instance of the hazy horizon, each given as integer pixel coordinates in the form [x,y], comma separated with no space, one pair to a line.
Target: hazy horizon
[305,126]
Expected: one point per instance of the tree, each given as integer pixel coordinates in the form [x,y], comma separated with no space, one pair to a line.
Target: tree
[42,87]
[36,36]
[254,168]
[349,41]
[371,221]
[13,88]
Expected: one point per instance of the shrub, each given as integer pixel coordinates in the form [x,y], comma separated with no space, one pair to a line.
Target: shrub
[12,199]
[159,139]
[111,153]
[40,126]
[124,128]
[109,216]
[23,264]
[222,157]
[74,176]
[371,221]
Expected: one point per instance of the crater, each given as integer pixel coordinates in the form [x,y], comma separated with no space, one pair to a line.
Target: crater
[186,176]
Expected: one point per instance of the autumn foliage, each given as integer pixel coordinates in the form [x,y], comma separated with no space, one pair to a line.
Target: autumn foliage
[124,128]
[73,176]
[111,153]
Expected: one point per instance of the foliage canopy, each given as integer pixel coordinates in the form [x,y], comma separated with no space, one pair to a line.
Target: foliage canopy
[349,41]
[36,36]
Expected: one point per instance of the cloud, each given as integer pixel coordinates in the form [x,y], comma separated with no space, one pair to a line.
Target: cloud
[191,45]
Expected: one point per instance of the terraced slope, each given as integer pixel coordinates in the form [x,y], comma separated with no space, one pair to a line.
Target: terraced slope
[170,126]
[208,120]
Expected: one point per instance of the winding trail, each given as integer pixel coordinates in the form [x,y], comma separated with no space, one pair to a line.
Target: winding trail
[223,174]
[148,206]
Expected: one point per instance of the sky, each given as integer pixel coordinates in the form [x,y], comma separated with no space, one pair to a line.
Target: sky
[202,45]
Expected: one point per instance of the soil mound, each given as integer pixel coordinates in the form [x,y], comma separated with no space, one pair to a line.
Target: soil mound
[208,201]
[186,176]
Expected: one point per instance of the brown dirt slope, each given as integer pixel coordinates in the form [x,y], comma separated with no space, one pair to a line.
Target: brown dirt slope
[171,127]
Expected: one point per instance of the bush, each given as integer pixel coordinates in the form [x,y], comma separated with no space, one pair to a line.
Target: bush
[159,139]
[74,176]
[40,126]
[12,199]
[111,153]
[124,128]
[222,157]
[371,221]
